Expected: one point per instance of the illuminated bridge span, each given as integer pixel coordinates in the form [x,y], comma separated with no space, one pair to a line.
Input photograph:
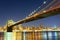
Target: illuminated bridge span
[47,13]
[50,10]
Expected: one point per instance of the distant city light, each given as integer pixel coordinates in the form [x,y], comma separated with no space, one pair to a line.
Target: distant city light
[55,26]
[25,30]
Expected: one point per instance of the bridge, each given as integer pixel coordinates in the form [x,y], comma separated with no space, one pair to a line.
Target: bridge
[39,15]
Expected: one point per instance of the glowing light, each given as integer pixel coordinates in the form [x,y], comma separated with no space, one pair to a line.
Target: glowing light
[25,30]
[44,2]
[44,36]
[50,35]
[44,11]
[9,36]
[33,12]
[56,35]
[24,35]
[55,26]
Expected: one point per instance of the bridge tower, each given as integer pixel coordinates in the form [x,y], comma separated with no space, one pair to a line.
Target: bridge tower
[9,23]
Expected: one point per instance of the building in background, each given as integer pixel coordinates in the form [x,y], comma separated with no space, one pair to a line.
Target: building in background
[29,33]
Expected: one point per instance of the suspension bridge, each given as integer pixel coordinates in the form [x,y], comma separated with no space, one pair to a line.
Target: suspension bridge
[53,8]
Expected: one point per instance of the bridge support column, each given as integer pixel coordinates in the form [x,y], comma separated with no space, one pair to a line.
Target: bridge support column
[9,29]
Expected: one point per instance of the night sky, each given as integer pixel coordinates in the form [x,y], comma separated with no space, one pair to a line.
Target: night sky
[19,9]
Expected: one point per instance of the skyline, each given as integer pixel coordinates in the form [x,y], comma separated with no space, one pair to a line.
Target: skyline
[18,10]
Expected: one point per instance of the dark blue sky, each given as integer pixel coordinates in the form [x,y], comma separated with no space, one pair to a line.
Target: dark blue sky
[19,9]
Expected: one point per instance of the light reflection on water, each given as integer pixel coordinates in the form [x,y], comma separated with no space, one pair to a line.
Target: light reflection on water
[30,35]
